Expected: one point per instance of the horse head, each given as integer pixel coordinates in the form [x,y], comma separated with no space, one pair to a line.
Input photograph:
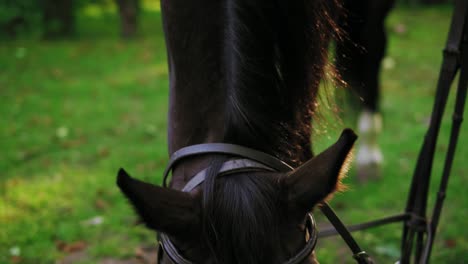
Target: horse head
[248,217]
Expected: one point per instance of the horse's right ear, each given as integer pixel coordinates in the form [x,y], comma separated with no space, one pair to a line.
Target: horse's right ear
[319,177]
[170,211]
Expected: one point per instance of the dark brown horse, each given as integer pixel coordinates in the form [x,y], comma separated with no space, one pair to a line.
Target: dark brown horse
[247,73]
[359,59]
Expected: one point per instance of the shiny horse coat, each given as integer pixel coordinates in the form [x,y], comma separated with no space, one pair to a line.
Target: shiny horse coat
[246,73]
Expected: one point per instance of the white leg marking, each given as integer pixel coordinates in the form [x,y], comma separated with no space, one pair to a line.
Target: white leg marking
[369,157]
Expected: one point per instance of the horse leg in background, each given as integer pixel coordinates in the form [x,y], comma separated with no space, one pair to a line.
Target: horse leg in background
[358,59]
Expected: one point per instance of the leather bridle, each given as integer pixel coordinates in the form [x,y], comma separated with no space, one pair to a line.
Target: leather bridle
[249,160]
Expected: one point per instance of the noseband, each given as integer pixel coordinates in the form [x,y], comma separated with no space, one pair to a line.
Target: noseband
[251,160]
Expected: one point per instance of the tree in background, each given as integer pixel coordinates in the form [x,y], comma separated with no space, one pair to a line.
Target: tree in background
[128,11]
[16,16]
[427,2]
[435,1]
[58,18]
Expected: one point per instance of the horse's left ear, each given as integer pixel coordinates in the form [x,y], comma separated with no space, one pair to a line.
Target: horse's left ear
[165,210]
[313,181]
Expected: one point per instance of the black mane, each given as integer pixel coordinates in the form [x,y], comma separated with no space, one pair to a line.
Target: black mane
[273,66]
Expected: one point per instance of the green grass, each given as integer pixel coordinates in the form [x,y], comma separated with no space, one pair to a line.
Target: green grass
[75,111]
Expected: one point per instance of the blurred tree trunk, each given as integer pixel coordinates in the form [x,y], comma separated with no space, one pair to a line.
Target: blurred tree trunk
[58,18]
[128,10]
[13,25]
[427,2]
[434,1]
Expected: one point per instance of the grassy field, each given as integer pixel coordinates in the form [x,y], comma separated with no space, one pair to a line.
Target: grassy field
[75,111]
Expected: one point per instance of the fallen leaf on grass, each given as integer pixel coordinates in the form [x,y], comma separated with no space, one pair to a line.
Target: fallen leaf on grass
[101,204]
[450,243]
[339,205]
[103,152]
[75,257]
[146,167]
[57,73]
[400,29]
[46,162]
[73,143]
[71,247]
[138,221]
[120,261]
[148,254]
[15,259]
[28,154]
[40,120]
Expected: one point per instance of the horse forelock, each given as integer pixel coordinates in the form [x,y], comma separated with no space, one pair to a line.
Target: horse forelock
[240,223]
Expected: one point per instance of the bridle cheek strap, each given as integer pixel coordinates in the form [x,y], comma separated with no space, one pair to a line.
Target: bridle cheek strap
[165,245]
[311,228]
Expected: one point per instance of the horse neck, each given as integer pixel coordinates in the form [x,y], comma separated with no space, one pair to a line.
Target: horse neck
[196,97]
[254,88]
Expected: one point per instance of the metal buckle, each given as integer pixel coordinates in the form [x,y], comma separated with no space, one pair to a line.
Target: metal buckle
[362,257]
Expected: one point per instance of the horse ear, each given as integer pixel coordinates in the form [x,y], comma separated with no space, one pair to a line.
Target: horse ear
[165,210]
[313,181]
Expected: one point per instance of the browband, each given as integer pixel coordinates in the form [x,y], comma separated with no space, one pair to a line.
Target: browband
[223,148]
[228,167]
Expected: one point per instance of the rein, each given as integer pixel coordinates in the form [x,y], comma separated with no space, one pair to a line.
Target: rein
[419,235]
[418,230]
[252,160]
